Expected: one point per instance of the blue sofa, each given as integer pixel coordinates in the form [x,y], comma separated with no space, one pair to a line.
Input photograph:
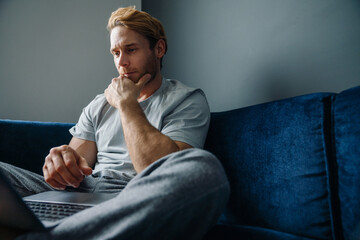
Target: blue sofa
[293,165]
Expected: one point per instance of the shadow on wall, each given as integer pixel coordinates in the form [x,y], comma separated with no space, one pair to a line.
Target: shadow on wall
[309,66]
[243,53]
[2,4]
[284,79]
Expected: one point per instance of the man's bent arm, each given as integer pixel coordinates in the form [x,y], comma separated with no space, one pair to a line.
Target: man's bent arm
[145,143]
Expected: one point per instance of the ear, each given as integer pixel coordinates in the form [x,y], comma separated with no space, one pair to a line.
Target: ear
[160,48]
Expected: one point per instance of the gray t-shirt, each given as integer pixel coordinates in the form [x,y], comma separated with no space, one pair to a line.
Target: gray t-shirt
[180,112]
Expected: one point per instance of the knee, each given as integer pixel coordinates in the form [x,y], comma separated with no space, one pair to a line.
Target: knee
[192,169]
[212,169]
[207,178]
[201,167]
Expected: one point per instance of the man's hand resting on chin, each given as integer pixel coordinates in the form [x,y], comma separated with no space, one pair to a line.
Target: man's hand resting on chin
[123,89]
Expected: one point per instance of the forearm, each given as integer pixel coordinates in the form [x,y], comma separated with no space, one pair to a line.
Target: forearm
[145,143]
[86,149]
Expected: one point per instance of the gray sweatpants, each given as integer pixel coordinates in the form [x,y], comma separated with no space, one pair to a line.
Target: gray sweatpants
[180,196]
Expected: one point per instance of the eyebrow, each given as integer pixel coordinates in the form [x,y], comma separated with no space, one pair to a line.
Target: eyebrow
[126,46]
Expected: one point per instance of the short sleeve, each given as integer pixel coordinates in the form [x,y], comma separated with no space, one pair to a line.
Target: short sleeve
[189,121]
[84,129]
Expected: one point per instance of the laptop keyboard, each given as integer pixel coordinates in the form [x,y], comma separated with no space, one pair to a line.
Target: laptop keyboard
[54,211]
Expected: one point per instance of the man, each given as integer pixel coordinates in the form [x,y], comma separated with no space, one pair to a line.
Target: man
[140,138]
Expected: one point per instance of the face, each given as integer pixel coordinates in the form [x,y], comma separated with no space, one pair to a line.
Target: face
[132,54]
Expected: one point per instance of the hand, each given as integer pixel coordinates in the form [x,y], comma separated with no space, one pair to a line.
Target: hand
[123,89]
[65,167]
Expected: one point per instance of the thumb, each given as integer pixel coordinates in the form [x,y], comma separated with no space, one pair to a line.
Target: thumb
[143,80]
[84,166]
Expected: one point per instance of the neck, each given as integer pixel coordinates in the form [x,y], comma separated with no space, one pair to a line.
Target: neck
[150,87]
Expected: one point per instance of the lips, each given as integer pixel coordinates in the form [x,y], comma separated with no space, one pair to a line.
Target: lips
[128,74]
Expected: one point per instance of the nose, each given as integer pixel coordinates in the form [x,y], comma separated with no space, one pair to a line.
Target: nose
[123,60]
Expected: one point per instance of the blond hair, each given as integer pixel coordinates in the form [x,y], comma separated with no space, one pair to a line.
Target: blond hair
[139,21]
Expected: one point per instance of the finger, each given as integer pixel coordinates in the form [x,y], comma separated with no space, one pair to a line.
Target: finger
[51,172]
[62,170]
[70,159]
[115,81]
[84,166]
[51,176]
[143,80]
[107,92]
[51,181]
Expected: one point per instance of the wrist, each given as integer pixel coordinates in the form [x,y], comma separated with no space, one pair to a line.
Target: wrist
[125,105]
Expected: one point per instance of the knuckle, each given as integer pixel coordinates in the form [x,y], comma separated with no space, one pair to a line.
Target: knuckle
[47,159]
[56,150]
[51,175]
[59,168]
[64,148]
[53,150]
[68,163]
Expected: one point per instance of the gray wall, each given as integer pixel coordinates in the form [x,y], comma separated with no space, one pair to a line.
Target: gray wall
[244,52]
[54,56]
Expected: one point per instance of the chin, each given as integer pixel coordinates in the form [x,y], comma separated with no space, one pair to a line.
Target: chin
[134,79]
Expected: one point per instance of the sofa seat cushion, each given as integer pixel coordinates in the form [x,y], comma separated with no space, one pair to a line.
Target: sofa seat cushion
[231,232]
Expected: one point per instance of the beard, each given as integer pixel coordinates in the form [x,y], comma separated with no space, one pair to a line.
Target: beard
[150,67]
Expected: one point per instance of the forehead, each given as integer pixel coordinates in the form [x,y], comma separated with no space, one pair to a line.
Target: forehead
[121,36]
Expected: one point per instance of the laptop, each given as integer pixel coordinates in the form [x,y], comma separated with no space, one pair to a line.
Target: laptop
[45,210]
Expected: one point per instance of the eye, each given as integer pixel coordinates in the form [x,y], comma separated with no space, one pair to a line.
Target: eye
[117,53]
[131,50]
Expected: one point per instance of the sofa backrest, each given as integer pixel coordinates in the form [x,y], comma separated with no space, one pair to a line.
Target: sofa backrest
[25,143]
[282,160]
[346,150]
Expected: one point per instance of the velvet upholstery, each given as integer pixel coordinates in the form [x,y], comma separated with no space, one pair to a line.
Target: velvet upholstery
[236,232]
[346,129]
[293,165]
[275,158]
[283,163]
[26,143]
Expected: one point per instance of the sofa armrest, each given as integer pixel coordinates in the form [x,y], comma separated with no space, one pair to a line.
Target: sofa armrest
[26,143]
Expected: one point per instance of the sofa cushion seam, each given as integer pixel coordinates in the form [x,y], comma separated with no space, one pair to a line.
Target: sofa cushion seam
[331,167]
